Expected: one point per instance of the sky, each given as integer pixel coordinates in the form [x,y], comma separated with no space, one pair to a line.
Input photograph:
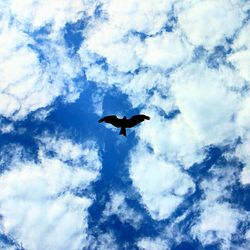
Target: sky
[180,181]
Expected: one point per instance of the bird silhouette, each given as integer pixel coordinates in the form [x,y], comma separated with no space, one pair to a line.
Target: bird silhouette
[124,122]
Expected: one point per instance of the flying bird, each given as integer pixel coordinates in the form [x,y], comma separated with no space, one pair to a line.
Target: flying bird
[124,122]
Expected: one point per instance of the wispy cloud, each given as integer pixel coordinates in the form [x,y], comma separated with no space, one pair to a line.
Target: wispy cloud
[118,206]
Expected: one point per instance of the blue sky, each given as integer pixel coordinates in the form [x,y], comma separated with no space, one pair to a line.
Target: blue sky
[178,181]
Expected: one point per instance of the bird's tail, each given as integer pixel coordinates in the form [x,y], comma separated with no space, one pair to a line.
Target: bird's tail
[123,131]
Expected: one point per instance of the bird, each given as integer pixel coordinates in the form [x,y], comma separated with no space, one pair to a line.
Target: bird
[124,122]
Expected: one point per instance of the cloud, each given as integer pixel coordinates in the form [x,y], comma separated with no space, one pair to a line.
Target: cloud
[47,71]
[210,228]
[177,142]
[243,154]
[137,88]
[154,244]
[162,185]
[117,37]
[196,89]
[242,150]
[164,51]
[6,128]
[103,241]
[42,114]
[121,55]
[43,81]
[205,23]
[159,70]
[241,52]
[118,206]
[134,15]
[46,12]
[156,53]
[245,176]
[39,206]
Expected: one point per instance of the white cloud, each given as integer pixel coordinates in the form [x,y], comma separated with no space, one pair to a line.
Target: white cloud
[173,139]
[42,114]
[213,109]
[152,244]
[207,22]
[38,204]
[248,234]
[146,17]
[242,150]
[241,52]
[210,228]
[6,128]
[66,150]
[164,51]
[115,37]
[138,86]
[243,153]
[207,100]
[120,55]
[119,207]
[102,242]
[29,87]
[41,13]
[245,176]
[97,99]
[5,246]
[193,89]
[212,105]
[162,185]
[29,82]
[243,121]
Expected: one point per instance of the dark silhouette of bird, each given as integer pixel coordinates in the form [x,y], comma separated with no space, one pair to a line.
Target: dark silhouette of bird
[124,122]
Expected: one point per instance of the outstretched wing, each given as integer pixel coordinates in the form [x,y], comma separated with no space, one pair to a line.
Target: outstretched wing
[135,120]
[113,119]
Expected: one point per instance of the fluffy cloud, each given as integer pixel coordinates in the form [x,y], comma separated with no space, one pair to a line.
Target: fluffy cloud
[164,51]
[129,45]
[210,228]
[33,74]
[162,185]
[145,17]
[177,142]
[205,23]
[160,70]
[37,198]
[67,151]
[36,14]
[208,99]
[116,38]
[40,90]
